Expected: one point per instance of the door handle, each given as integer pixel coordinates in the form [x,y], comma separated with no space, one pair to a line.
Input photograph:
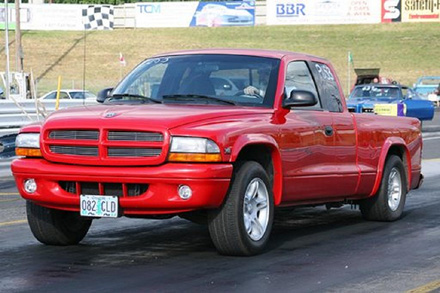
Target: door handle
[328,130]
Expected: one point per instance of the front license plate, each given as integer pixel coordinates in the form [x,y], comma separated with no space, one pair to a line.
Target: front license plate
[99,206]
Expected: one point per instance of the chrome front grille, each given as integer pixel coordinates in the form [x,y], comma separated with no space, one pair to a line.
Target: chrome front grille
[134,136]
[75,150]
[133,152]
[367,110]
[105,147]
[74,134]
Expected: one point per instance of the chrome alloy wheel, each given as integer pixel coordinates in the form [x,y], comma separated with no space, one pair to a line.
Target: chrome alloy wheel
[256,209]
[394,189]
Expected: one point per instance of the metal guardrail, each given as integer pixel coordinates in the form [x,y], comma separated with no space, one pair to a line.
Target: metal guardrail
[13,116]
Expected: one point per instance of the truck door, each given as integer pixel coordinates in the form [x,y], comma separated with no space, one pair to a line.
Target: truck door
[305,143]
[344,172]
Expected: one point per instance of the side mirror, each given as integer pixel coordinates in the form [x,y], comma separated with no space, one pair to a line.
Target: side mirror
[103,95]
[299,98]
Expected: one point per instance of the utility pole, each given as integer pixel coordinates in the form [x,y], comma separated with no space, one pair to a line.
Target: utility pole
[18,47]
[7,90]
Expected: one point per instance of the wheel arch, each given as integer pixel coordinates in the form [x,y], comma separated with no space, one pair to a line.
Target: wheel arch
[393,146]
[264,150]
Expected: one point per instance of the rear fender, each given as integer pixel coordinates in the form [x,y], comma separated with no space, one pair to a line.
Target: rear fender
[268,141]
[389,143]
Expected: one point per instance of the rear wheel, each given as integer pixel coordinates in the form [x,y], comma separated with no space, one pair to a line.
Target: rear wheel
[389,201]
[56,227]
[243,224]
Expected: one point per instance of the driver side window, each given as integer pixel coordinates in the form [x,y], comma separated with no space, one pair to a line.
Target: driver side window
[298,77]
[148,83]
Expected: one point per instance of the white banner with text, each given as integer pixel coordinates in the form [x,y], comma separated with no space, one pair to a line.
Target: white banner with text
[280,12]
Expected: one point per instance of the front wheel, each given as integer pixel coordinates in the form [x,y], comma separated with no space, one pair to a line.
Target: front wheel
[56,227]
[388,203]
[243,224]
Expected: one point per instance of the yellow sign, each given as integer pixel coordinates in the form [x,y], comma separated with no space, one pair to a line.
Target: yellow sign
[386,109]
[420,11]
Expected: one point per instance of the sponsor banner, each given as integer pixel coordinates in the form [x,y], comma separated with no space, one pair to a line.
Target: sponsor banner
[185,14]
[390,109]
[166,14]
[52,17]
[420,10]
[237,13]
[391,11]
[61,17]
[323,11]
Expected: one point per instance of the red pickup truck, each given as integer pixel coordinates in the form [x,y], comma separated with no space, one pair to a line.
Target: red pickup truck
[219,136]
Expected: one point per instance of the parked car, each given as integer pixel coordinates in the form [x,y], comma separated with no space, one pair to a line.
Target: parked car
[426,87]
[389,99]
[226,160]
[70,94]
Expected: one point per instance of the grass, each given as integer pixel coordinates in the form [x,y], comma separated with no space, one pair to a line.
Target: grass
[403,51]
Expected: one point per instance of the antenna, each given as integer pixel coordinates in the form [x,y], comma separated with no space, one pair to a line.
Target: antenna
[7,90]
[84,68]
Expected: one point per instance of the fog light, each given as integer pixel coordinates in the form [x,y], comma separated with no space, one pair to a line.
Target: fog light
[30,185]
[185,192]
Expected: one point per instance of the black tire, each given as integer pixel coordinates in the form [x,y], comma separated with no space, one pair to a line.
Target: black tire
[227,224]
[388,203]
[56,227]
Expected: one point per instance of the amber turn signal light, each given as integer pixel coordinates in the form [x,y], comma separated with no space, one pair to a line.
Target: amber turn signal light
[194,157]
[28,152]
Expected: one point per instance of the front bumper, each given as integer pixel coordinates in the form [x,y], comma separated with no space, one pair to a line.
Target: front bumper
[209,183]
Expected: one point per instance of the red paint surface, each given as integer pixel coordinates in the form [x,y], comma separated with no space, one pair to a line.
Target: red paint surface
[309,167]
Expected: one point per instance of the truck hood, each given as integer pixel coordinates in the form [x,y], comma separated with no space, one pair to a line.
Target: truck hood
[157,116]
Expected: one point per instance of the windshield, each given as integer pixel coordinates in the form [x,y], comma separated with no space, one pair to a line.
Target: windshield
[374,92]
[434,81]
[202,79]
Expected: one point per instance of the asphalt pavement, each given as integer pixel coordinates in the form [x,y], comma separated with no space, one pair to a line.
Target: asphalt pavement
[311,250]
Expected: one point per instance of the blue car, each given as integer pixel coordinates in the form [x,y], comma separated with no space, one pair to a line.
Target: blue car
[426,87]
[389,99]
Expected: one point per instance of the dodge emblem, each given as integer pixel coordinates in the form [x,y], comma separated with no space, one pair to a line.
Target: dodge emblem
[110,115]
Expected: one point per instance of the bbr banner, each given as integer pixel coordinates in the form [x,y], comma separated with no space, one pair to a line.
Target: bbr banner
[323,11]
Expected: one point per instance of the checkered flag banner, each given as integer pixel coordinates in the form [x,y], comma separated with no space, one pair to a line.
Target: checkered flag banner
[98,17]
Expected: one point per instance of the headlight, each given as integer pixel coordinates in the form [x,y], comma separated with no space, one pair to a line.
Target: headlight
[28,144]
[194,149]
[193,145]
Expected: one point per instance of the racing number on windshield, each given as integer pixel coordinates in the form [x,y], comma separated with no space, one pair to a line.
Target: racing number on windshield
[324,72]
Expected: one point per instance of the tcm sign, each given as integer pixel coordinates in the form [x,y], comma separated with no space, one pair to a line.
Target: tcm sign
[391,11]
[149,8]
[291,10]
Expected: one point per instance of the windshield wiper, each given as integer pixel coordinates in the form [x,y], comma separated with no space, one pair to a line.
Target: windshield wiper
[126,95]
[196,98]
